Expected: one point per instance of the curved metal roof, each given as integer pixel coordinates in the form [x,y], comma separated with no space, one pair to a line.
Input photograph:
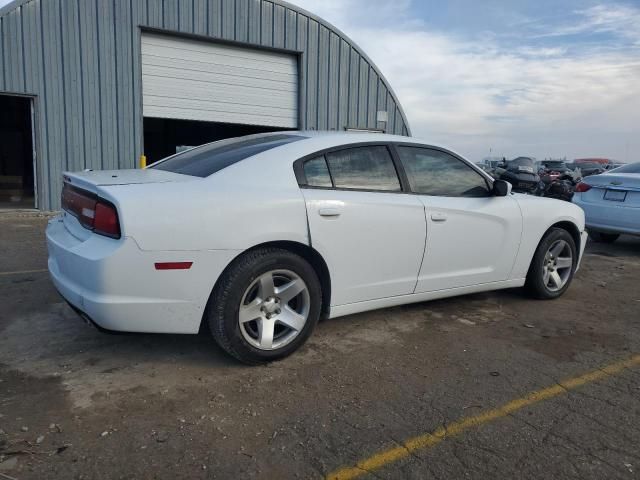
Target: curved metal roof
[81,62]
[18,3]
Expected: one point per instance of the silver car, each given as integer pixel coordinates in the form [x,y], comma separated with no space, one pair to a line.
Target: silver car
[611,202]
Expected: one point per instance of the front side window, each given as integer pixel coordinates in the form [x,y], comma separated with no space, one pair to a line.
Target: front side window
[208,159]
[364,168]
[432,172]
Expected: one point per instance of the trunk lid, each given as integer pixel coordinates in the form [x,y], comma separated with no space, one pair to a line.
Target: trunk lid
[90,179]
[627,181]
[614,190]
[87,187]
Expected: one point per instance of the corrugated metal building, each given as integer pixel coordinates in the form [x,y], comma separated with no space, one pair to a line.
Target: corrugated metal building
[97,83]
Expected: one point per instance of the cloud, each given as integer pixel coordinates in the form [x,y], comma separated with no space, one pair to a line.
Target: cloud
[619,20]
[515,97]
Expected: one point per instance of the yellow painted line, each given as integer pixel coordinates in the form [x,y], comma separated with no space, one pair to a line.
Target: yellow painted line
[428,440]
[22,272]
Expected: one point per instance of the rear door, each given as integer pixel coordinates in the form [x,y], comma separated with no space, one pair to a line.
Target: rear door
[472,236]
[370,232]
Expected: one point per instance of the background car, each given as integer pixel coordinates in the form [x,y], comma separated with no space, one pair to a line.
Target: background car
[258,237]
[611,202]
[558,166]
[602,161]
[521,173]
[588,169]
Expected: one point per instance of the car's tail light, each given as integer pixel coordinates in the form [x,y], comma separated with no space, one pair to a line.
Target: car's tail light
[93,212]
[105,221]
[583,187]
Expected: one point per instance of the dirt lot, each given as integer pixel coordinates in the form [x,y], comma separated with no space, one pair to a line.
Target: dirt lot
[77,403]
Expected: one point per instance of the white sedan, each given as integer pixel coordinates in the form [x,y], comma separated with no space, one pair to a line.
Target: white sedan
[260,236]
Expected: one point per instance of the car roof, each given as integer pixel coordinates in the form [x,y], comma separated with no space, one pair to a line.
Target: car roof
[333,138]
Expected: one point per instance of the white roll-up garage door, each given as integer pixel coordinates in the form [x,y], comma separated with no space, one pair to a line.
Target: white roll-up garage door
[193,80]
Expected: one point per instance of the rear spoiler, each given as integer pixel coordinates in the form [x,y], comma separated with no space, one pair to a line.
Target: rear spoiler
[79,182]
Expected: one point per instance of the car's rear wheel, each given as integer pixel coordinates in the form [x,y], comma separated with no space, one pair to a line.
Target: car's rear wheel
[265,305]
[553,265]
[602,237]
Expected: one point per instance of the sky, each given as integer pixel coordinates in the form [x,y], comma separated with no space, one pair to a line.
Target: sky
[543,78]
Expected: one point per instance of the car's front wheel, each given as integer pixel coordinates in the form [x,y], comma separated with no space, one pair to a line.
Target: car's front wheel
[265,305]
[553,265]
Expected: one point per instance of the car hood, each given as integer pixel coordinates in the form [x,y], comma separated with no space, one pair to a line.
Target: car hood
[629,181]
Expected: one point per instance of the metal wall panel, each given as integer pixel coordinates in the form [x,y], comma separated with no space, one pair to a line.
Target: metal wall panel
[228,19]
[266,25]
[312,75]
[291,29]
[278,26]
[13,54]
[3,53]
[242,20]
[54,101]
[80,60]
[72,89]
[322,88]
[201,17]
[333,83]
[353,92]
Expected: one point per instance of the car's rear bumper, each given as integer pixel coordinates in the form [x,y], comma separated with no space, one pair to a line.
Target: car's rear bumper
[116,285]
[610,218]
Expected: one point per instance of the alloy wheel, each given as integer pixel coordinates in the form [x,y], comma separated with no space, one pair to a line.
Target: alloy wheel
[558,265]
[274,309]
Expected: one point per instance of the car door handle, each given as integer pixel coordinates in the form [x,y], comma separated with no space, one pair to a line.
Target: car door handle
[439,217]
[329,212]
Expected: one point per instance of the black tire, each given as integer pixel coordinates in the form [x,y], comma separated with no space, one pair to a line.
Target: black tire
[535,285]
[223,307]
[601,237]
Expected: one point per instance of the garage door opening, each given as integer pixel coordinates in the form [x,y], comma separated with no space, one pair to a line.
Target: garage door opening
[164,137]
[195,92]
[16,153]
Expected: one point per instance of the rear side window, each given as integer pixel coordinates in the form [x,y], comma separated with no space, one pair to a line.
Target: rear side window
[363,168]
[432,172]
[208,159]
[317,173]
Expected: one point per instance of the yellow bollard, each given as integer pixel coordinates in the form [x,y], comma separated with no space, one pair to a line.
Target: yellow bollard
[143,161]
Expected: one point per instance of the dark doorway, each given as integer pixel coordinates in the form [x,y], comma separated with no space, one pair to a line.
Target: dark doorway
[16,153]
[164,137]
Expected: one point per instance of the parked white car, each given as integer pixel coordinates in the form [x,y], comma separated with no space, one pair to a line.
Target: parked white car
[611,202]
[260,236]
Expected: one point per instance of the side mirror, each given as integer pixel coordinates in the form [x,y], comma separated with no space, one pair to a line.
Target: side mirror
[501,188]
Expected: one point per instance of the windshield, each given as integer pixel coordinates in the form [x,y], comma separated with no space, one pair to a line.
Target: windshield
[521,162]
[212,157]
[590,166]
[554,164]
[629,168]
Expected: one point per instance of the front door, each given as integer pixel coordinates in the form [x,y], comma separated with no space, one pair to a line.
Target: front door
[370,234]
[472,236]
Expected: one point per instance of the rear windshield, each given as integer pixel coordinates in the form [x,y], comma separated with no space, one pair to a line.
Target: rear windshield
[208,159]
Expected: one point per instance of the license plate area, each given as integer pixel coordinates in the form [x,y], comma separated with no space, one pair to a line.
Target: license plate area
[615,195]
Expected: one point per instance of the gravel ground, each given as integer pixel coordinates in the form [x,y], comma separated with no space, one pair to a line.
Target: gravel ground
[77,403]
